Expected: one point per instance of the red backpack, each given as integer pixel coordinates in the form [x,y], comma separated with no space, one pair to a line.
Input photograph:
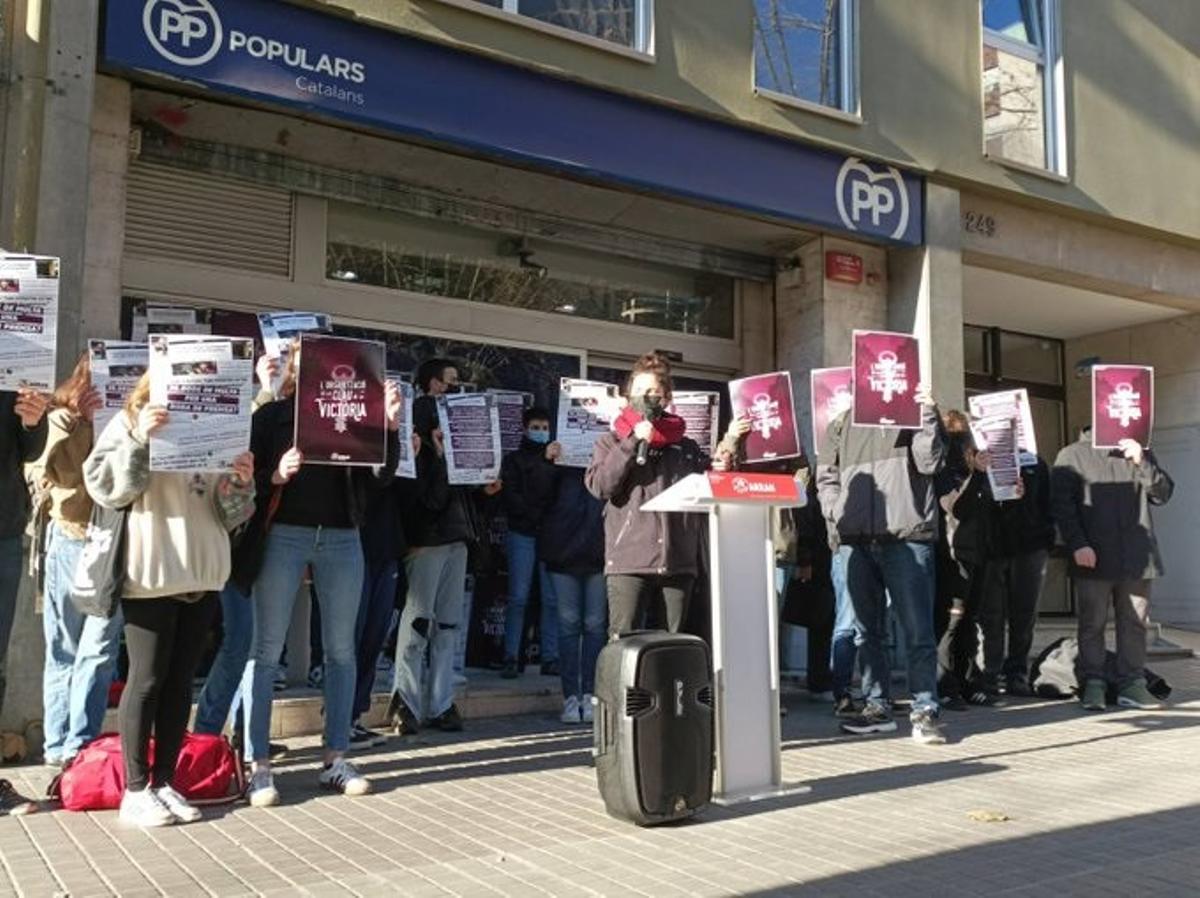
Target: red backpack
[208,772]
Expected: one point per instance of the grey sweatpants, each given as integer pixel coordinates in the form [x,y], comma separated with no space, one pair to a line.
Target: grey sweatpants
[1131,598]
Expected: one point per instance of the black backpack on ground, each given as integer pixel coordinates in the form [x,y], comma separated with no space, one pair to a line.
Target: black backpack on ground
[1054,673]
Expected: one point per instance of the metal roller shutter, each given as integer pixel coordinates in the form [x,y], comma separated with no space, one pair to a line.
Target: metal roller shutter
[175,213]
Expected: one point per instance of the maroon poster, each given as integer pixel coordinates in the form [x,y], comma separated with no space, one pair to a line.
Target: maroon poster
[340,417]
[766,399]
[887,367]
[1122,404]
[832,392]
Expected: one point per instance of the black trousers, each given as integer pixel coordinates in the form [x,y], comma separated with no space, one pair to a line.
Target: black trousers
[646,600]
[165,641]
[958,645]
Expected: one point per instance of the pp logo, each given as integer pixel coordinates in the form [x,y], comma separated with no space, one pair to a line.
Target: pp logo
[186,32]
[879,196]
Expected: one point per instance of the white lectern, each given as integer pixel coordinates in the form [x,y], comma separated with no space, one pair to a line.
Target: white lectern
[744,622]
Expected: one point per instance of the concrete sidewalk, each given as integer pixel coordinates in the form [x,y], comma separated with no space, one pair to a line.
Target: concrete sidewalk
[1096,805]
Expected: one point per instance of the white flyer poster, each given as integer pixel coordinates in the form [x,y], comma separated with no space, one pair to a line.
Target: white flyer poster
[156,319]
[1010,404]
[510,406]
[586,411]
[997,434]
[278,329]
[701,411]
[407,466]
[471,437]
[206,383]
[117,366]
[28,321]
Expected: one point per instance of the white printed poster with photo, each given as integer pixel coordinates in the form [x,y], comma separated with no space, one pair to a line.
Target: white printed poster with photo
[158,319]
[1010,404]
[470,425]
[28,321]
[406,468]
[279,329]
[206,384]
[116,366]
[997,435]
[701,412]
[586,411]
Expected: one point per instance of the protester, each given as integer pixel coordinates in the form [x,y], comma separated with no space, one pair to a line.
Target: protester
[311,514]
[651,558]
[22,438]
[439,523]
[176,558]
[1101,502]
[876,489]
[81,649]
[528,477]
[845,632]
[571,544]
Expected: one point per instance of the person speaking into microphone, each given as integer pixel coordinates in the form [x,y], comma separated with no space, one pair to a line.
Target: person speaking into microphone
[651,559]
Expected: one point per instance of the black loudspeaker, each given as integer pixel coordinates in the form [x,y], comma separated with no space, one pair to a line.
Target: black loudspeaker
[653,730]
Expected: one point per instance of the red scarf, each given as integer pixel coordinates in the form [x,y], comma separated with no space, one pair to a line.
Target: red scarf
[668,428]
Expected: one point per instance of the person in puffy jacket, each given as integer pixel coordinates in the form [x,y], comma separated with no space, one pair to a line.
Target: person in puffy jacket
[1101,501]
[876,490]
[571,545]
[650,557]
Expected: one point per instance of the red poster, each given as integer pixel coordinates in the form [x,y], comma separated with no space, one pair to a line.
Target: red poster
[832,392]
[340,417]
[887,367]
[766,399]
[1122,404]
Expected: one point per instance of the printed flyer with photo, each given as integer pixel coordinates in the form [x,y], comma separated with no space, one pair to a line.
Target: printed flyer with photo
[279,329]
[28,321]
[470,425]
[701,411]
[586,411]
[206,384]
[407,466]
[117,366]
[158,319]
[831,394]
[341,417]
[767,400]
[1010,404]
[887,368]
[997,434]
[1122,405]
[510,406]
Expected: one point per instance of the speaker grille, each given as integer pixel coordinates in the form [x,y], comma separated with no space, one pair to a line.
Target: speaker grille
[638,701]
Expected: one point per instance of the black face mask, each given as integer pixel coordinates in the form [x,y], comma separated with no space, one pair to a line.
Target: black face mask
[452,389]
[648,406]
[425,415]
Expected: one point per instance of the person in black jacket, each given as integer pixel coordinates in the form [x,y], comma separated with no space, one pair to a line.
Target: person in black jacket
[649,557]
[1101,502]
[528,477]
[571,545]
[22,438]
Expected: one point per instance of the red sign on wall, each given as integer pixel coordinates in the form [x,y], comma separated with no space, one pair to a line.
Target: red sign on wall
[845,268]
[768,488]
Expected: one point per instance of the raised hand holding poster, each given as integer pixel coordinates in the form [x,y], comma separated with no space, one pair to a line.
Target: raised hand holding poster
[1122,404]
[887,367]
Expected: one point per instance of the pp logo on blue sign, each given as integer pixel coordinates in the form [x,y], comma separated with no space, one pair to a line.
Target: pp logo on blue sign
[872,200]
[186,32]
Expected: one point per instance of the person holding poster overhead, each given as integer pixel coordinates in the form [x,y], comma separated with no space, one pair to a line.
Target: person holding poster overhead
[651,559]
[1101,500]
[875,484]
[22,439]
[311,512]
[176,559]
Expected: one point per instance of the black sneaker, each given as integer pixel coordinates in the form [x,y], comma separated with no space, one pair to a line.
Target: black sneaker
[276,750]
[449,721]
[845,707]
[954,703]
[403,721]
[13,803]
[509,671]
[983,698]
[361,738]
[873,719]
[550,669]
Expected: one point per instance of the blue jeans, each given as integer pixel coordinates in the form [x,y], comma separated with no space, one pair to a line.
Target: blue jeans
[371,628]
[845,629]
[905,571]
[81,652]
[522,563]
[429,626]
[335,555]
[582,629]
[221,687]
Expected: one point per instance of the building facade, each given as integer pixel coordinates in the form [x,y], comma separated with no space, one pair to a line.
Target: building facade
[550,187]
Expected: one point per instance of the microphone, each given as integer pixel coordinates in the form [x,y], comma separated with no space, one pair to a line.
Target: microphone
[643,452]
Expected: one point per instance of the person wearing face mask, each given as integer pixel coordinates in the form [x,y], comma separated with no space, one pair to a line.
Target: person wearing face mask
[650,558]
[528,477]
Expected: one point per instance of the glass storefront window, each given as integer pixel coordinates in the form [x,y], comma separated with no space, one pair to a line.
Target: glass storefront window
[1033,359]
[976,342]
[613,21]
[401,252]
[804,50]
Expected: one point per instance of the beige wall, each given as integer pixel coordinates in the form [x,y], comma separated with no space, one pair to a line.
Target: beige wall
[1132,88]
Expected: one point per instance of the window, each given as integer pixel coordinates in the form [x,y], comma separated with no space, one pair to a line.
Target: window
[627,23]
[403,252]
[805,50]
[1022,83]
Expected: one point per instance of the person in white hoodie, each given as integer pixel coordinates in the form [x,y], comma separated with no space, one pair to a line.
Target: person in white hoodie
[177,558]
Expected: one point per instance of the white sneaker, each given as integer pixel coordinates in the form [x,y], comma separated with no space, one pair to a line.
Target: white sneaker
[926,730]
[586,711]
[262,792]
[145,809]
[179,806]
[342,776]
[570,712]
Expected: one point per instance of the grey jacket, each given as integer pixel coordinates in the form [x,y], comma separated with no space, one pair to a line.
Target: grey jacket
[1102,500]
[875,484]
